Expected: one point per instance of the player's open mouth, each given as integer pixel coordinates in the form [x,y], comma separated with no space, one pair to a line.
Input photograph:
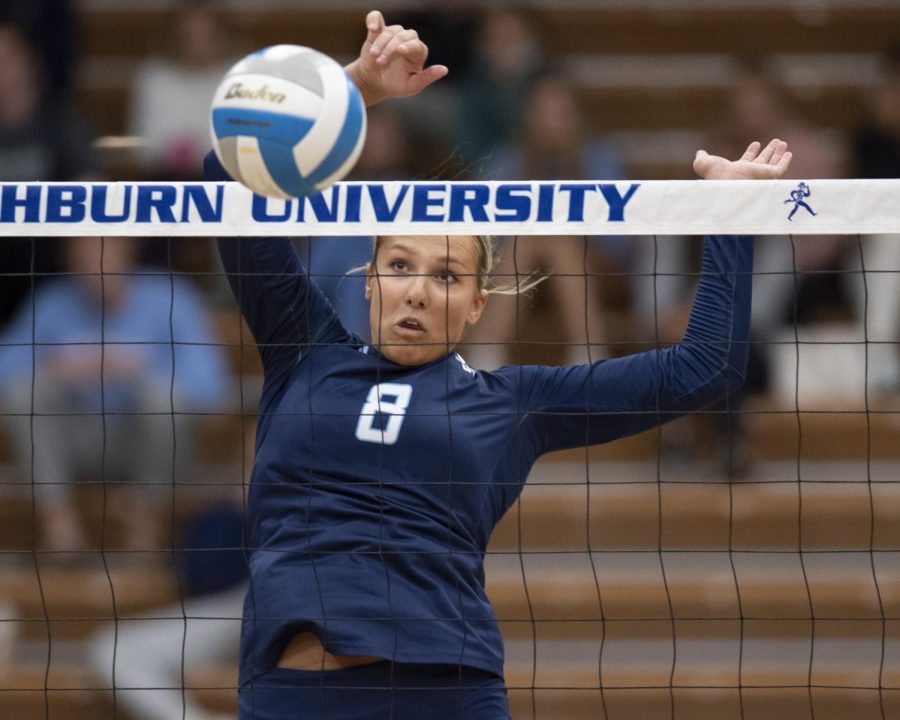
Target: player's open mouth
[410,326]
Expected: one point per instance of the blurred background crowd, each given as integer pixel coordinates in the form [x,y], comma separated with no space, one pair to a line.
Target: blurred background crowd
[96,90]
[112,91]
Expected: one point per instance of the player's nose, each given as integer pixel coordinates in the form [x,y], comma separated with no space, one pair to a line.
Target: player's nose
[417,291]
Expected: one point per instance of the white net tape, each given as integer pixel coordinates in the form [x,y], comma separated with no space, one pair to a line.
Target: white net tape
[673,207]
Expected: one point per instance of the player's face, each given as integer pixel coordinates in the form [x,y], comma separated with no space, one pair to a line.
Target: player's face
[423,291]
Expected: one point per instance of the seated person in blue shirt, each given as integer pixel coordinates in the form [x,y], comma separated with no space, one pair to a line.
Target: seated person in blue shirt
[381,469]
[107,315]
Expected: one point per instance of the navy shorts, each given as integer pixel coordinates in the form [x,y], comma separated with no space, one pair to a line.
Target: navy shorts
[380,691]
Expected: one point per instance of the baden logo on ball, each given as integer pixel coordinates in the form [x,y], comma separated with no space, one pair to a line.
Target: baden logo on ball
[287,122]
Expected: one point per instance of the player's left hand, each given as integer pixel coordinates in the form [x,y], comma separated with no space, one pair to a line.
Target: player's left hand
[391,62]
[757,163]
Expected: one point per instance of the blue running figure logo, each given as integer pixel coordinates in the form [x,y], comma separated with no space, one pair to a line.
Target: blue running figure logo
[798,197]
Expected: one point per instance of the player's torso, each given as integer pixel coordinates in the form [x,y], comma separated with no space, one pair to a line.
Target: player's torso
[354,439]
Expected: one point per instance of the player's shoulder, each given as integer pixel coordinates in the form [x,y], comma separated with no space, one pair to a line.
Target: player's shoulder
[506,378]
[458,361]
[463,373]
[526,379]
[506,373]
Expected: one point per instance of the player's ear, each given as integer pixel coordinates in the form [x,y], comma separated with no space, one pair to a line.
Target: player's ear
[477,307]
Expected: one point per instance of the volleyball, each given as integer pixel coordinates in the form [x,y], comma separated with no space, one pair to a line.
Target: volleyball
[287,121]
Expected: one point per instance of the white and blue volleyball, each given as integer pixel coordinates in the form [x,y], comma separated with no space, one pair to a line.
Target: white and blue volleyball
[287,122]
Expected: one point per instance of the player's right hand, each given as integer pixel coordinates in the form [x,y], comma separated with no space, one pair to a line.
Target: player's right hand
[391,62]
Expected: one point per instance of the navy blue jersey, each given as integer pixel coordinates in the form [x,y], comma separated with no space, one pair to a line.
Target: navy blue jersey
[376,486]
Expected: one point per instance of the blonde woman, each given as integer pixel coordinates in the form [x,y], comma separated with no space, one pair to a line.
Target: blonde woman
[381,469]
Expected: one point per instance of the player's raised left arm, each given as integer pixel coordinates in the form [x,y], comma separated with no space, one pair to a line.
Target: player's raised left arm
[283,309]
[626,395]
[391,62]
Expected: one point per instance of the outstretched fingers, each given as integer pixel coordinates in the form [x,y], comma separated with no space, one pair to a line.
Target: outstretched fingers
[778,152]
[770,162]
[774,159]
[412,49]
[752,151]
[392,62]
[389,39]
[374,26]
[429,75]
[783,162]
[773,162]
[765,155]
[702,162]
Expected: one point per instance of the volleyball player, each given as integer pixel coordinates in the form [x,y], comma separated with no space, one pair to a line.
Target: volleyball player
[382,469]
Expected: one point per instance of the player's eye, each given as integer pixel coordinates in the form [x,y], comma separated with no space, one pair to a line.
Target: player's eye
[398,265]
[447,276]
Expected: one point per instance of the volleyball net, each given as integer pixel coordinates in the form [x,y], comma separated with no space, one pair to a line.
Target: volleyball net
[741,562]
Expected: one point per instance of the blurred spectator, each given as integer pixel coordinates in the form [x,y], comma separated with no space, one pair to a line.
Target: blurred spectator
[40,139]
[757,105]
[390,152]
[51,27]
[147,335]
[449,28]
[876,140]
[759,109]
[149,659]
[756,109]
[494,94]
[169,105]
[796,280]
[553,143]
[876,144]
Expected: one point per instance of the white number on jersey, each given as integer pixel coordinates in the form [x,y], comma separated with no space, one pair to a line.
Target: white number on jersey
[389,400]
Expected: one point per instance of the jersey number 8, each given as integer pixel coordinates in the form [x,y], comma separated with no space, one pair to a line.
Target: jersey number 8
[388,400]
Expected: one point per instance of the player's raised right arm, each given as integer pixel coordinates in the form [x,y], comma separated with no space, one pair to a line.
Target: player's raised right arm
[285,311]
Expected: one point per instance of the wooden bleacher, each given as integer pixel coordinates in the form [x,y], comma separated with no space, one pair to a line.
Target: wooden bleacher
[612,554]
[812,41]
[659,597]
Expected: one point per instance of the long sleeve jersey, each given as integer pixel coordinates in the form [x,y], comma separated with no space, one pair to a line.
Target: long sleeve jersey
[376,486]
